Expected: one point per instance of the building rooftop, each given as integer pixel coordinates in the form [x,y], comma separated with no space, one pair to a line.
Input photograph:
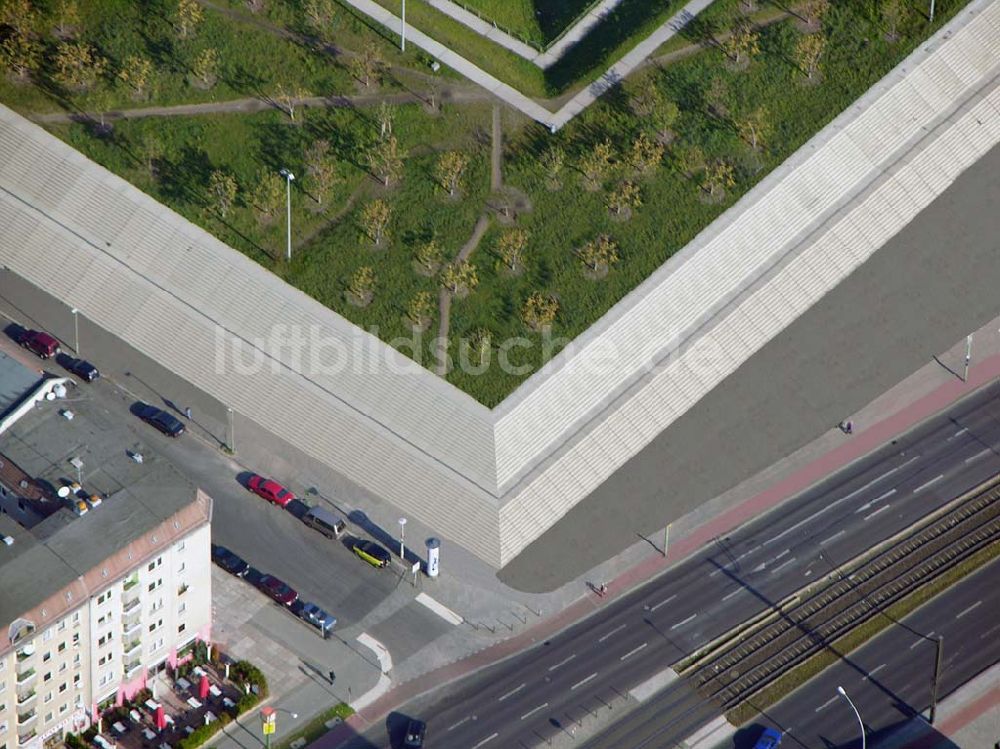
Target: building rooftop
[55,565]
[16,380]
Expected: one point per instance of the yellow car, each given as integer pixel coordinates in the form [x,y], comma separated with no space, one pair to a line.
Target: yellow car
[372,553]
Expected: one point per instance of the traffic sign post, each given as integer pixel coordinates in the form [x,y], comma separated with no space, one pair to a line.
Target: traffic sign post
[268,718]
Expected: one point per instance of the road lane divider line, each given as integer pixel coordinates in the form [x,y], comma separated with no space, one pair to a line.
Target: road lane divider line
[973,607]
[488,738]
[959,433]
[583,681]
[734,593]
[838,534]
[785,553]
[870,515]
[681,624]
[662,603]
[562,662]
[633,651]
[783,565]
[746,553]
[826,704]
[534,710]
[879,498]
[619,628]
[440,609]
[978,455]
[928,483]
[928,636]
[512,692]
[466,719]
[874,671]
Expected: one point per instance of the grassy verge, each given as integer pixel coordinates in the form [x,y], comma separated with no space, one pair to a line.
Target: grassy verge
[859,636]
[317,726]
[537,20]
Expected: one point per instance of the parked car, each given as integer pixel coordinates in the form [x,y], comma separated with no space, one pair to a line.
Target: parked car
[254,576]
[324,521]
[230,562]
[83,369]
[415,731]
[160,419]
[768,740]
[40,342]
[270,490]
[372,553]
[321,620]
[280,591]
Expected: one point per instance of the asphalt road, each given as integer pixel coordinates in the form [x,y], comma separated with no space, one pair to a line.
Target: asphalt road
[596,662]
[925,289]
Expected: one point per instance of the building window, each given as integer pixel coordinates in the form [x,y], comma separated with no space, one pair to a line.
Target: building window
[62,667]
[63,708]
[47,635]
[48,717]
[62,647]
[47,677]
[47,657]
[151,567]
[63,687]
[62,625]
[76,639]
[76,617]
[182,608]
[181,568]
[180,546]
[181,628]
[48,698]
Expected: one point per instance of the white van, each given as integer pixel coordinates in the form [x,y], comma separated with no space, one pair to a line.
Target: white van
[324,521]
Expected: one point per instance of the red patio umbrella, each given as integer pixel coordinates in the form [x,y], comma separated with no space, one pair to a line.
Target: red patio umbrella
[161,718]
[203,687]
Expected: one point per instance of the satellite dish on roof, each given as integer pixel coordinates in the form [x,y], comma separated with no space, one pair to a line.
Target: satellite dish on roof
[59,390]
[50,396]
[63,492]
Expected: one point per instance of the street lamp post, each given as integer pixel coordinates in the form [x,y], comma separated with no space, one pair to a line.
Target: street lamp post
[402,29]
[232,430]
[968,356]
[269,722]
[288,183]
[937,678]
[76,330]
[842,693]
[402,538]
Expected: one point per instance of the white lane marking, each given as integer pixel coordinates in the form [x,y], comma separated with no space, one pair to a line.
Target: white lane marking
[534,710]
[782,554]
[562,662]
[928,483]
[873,672]
[923,639]
[633,651]
[974,606]
[989,632]
[511,692]
[838,534]
[783,565]
[466,719]
[841,500]
[661,603]
[870,515]
[978,455]
[746,553]
[488,738]
[827,704]
[619,628]
[583,681]
[879,498]
[440,609]
[730,595]
[681,624]
[960,432]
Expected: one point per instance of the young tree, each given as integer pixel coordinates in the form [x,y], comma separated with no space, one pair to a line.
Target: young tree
[429,257]
[450,169]
[808,52]
[480,346]
[460,277]
[268,195]
[599,254]
[539,310]
[385,160]
[222,190]
[596,164]
[290,98]
[369,65]
[320,14]
[717,97]
[362,286]
[67,18]
[419,309]
[375,217]
[189,15]
[624,199]
[646,154]
[690,159]
[205,68]
[813,12]
[20,54]
[78,66]
[385,116]
[718,176]
[134,73]
[100,102]
[754,127]
[256,6]
[743,42]
[20,16]
[321,169]
[553,162]
[150,149]
[510,248]
[894,12]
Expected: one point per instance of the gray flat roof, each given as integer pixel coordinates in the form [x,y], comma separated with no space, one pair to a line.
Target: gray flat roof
[16,381]
[64,547]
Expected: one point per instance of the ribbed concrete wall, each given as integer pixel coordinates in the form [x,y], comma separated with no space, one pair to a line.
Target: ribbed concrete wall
[493,482]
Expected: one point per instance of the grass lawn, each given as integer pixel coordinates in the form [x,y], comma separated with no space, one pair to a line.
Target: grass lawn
[317,726]
[538,21]
[330,246]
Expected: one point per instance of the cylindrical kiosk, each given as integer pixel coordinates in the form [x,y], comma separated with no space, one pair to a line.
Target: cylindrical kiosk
[433,552]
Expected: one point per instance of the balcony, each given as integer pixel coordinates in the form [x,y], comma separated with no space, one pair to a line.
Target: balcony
[23,676]
[23,718]
[131,604]
[130,583]
[132,667]
[24,654]
[24,738]
[25,697]
[131,628]
[132,647]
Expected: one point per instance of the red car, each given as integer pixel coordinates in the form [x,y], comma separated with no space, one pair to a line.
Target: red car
[278,590]
[41,343]
[270,490]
